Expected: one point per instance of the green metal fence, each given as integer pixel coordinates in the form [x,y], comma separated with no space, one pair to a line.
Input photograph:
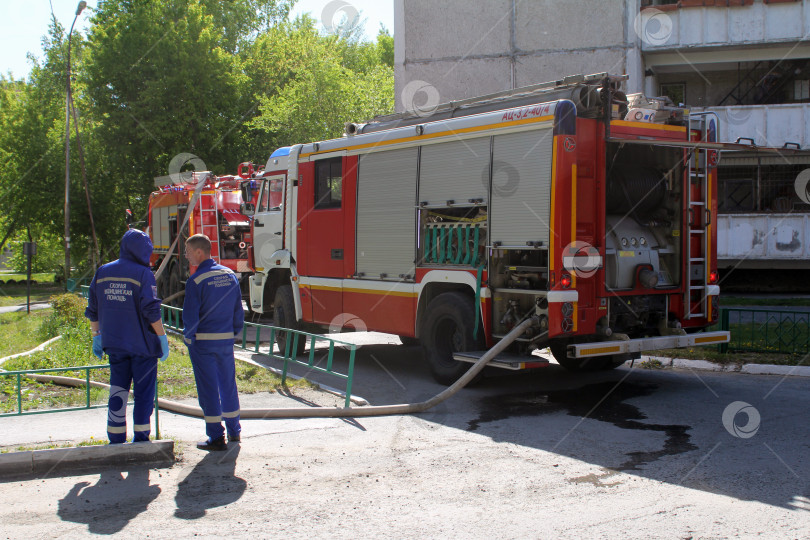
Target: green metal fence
[73,283]
[768,330]
[20,375]
[172,319]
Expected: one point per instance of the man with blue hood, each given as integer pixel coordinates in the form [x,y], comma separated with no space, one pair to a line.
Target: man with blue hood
[124,314]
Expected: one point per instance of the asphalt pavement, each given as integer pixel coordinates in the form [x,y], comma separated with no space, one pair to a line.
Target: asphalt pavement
[631,453]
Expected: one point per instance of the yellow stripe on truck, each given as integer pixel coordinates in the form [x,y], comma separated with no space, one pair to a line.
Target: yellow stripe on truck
[713,339]
[601,350]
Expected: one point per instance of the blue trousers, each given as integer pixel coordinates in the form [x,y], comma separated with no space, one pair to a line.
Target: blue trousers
[124,369]
[215,374]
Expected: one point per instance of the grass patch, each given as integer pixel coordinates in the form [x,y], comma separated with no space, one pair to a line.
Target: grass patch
[14,295]
[92,441]
[651,364]
[41,277]
[711,354]
[20,331]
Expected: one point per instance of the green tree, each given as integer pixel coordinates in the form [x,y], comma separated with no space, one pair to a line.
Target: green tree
[322,83]
[227,81]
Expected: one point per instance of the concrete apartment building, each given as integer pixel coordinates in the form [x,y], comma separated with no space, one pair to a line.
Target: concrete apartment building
[746,60]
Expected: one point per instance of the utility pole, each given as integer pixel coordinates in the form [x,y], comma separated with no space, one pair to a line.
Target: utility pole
[79,8]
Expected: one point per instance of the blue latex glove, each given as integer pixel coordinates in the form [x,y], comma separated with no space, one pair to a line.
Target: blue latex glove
[164,346]
[97,350]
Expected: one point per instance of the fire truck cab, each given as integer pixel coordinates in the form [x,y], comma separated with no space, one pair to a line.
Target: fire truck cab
[568,201]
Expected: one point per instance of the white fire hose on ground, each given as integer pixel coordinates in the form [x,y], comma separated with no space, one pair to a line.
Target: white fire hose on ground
[327,412]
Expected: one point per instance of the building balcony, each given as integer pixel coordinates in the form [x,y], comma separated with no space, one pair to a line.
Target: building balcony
[690,24]
[767,125]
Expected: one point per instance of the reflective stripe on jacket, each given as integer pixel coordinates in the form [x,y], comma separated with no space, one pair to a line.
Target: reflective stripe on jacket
[212,308]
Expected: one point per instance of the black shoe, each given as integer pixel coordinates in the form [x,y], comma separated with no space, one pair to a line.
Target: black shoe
[216,445]
[233,438]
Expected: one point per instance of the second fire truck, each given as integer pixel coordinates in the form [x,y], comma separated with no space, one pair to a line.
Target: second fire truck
[200,202]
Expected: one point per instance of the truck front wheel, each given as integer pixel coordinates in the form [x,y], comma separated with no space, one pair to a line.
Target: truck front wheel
[284,317]
[448,328]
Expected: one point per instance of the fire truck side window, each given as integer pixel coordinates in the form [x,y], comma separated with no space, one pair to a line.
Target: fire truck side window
[271,196]
[328,183]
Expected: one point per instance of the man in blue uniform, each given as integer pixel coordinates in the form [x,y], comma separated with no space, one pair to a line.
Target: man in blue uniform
[212,316]
[125,321]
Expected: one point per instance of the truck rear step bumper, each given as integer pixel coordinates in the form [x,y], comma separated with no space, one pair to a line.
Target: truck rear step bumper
[504,360]
[604,348]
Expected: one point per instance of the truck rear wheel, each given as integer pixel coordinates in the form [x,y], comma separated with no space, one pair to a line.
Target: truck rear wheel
[448,328]
[174,285]
[284,317]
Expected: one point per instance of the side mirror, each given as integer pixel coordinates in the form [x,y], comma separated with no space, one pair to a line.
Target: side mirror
[247,209]
[248,188]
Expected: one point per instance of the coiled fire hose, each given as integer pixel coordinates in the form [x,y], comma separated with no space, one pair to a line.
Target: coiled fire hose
[333,412]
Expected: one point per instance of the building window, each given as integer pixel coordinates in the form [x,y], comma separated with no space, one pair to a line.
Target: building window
[674,91]
[801,90]
[328,183]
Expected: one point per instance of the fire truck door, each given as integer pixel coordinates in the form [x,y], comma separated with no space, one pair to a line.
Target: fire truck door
[268,221]
[324,245]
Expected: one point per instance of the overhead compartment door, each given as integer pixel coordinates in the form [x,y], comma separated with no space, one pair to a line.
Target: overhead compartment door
[456,171]
[521,187]
[386,214]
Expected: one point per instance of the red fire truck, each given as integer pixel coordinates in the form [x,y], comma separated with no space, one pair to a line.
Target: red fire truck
[214,211]
[569,201]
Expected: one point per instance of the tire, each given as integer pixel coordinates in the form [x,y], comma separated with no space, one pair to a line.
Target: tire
[448,328]
[163,287]
[576,365]
[284,317]
[174,285]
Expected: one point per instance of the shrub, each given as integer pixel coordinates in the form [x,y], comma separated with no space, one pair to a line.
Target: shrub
[67,317]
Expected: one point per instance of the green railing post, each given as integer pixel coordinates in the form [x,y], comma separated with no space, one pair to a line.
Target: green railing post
[793,337]
[723,347]
[19,393]
[87,381]
[347,403]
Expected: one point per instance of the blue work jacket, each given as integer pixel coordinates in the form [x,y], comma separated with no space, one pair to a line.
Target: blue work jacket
[123,299]
[212,308]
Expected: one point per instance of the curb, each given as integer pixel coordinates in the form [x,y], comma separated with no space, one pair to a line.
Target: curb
[750,369]
[85,458]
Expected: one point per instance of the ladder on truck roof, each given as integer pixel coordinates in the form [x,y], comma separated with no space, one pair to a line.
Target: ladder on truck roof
[209,220]
[698,220]
[526,95]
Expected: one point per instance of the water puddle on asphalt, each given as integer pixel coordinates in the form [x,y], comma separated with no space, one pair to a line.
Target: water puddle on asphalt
[605,402]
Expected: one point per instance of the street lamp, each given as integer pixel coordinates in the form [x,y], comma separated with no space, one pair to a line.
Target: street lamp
[79,8]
